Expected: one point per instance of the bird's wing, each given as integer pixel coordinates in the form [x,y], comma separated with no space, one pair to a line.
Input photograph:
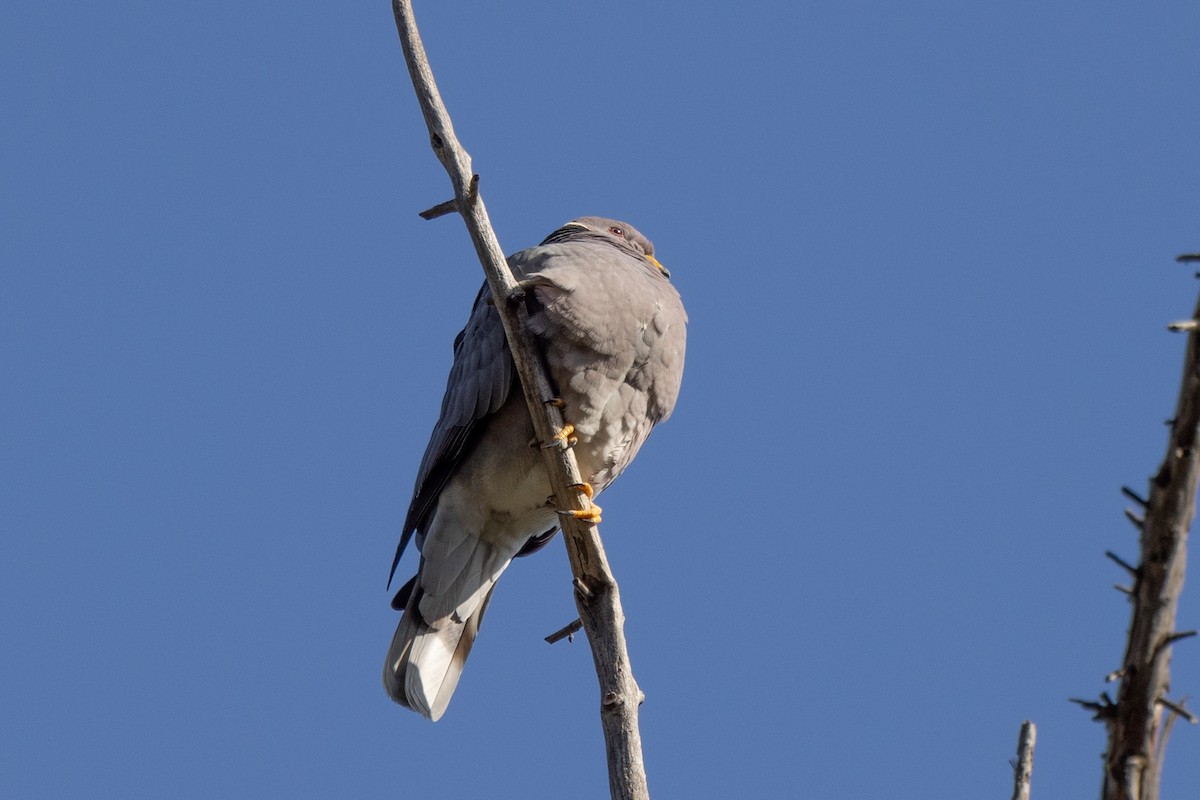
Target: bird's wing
[480,379]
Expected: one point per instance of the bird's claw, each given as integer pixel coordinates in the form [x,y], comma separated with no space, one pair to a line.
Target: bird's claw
[564,437]
[590,514]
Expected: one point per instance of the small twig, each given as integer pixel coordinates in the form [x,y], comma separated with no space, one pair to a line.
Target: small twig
[1090,705]
[1138,522]
[440,210]
[1183,325]
[1130,568]
[1168,725]
[1186,258]
[1023,767]
[1103,710]
[1168,640]
[1134,496]
[566,632]
[1175,637]
[451,206]
[1178,710]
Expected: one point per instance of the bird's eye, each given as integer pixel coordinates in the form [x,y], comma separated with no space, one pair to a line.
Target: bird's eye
[616,230]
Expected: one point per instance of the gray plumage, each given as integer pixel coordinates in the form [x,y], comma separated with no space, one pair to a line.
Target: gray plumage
[612,331]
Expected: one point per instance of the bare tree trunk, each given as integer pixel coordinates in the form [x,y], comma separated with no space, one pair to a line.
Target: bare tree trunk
[596,593]
[1023,766]
[1136,735]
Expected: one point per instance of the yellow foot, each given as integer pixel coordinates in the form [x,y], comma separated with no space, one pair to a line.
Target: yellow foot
[564,437]
[591,514]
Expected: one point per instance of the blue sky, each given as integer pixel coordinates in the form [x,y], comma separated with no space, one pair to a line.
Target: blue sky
[927,252]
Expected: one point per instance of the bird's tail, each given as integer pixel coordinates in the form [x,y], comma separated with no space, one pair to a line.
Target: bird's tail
[425,660]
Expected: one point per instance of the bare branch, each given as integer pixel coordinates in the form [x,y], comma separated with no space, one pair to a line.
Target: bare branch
[1134,496]
[1178,710]
[1132,570]
[1023,768]
[451,206]
[1133,761]
[596,596]
[440,210]
[1175,637]
[565,632]
[1102,710]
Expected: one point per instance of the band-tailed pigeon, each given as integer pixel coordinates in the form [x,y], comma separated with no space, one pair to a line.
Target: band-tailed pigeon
[611,330]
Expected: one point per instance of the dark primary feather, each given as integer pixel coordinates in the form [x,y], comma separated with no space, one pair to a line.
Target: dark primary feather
[479,382]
